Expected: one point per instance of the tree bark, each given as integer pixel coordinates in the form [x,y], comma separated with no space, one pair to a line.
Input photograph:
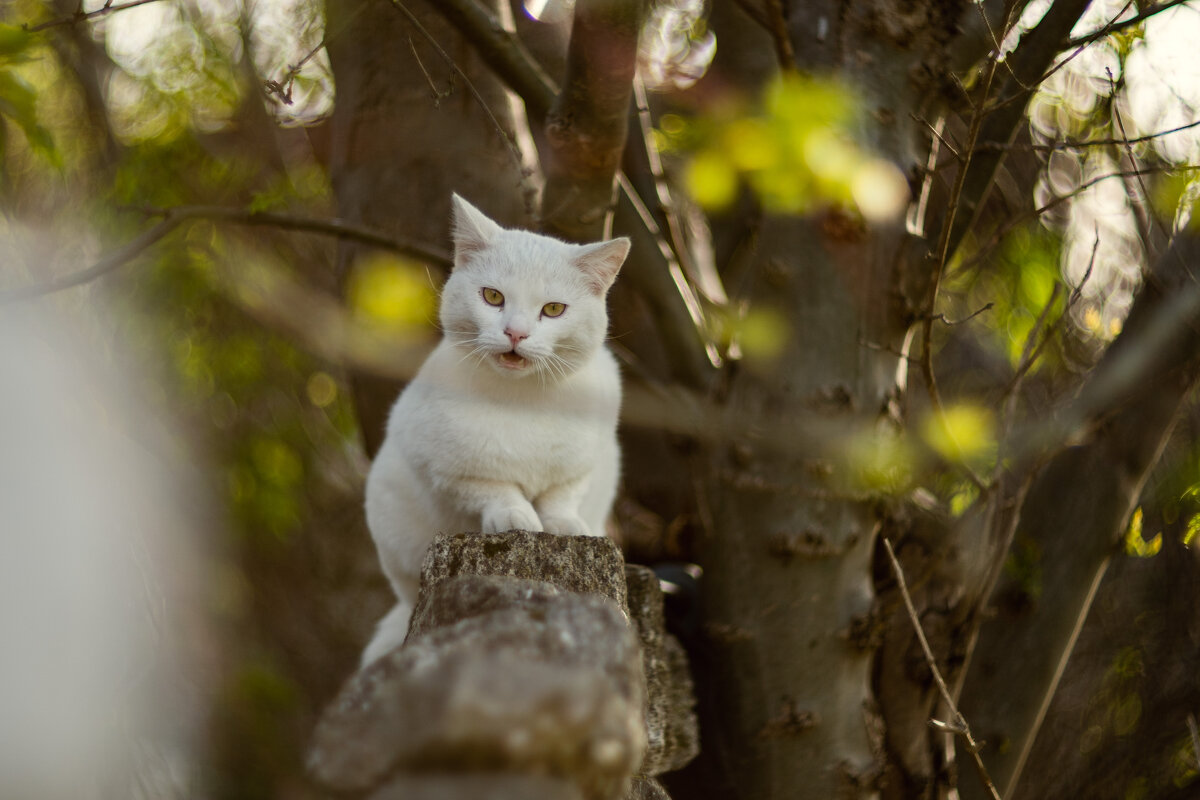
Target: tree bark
[406,133]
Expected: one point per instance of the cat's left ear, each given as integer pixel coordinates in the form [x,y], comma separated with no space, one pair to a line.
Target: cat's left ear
[472,230]
[600,262]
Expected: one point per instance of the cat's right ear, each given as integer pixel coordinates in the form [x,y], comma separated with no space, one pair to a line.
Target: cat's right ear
[472,230]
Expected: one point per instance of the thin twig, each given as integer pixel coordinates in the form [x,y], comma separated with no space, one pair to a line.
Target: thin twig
[437,95]
[84,16]
[958,725]
[1143,202]
[1116,27]
[173,217]
[943,251]
[937,134]
[953,322]
[509,140]
[1026,89]
[1071,144]
[283,87]
[1019,220]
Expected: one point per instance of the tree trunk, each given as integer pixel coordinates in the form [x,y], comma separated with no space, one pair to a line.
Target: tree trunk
[406,132]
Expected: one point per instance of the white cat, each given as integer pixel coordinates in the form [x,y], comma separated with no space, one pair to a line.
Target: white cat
[511,421]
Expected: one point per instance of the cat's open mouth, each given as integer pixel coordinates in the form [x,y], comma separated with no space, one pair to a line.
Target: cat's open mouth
[512,361]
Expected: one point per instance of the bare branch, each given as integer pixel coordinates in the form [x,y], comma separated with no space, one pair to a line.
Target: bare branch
[1073,144]
[942,254]
[1140,202]
[1080,502]
[282,88]
[174,217]
[1030,356]
[1117,27]
[507,136]
[86,16]
[125,253]
[649,268]
[1027,66]
[952,322]
[1020,219]
[958,725]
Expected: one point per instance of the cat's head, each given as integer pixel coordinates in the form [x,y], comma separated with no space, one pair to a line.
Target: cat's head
[524,304]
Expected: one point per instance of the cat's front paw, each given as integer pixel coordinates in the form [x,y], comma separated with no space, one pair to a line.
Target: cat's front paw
[567,526]
[499,520]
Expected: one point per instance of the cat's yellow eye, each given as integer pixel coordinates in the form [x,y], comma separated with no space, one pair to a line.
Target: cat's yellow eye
[492,297]
[553,309]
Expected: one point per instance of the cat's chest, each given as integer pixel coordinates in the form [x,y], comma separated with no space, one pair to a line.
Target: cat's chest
[528,440]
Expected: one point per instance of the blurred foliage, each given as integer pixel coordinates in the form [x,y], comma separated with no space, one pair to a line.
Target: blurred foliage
[795,151]
[393,293]
[934,455]
[1135,543]
[1016,287]
[274,424]
[272,427]
[18,97]
[963,434]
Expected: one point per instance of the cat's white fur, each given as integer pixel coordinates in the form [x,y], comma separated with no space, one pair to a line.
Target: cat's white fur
[511,421]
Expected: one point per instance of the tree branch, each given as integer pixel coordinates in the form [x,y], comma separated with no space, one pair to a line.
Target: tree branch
[1077,507]
[513,148]
[84,16]
[174,217]
[588,123]
[1117,27]
[504,53]
[648,268]
[1027,66]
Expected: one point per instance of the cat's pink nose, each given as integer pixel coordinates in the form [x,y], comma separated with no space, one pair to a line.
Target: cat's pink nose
[514,336]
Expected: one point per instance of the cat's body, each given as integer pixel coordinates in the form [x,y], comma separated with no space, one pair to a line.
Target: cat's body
[511,421]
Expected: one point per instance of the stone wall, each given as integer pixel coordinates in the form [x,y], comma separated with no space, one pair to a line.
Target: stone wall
[537,667]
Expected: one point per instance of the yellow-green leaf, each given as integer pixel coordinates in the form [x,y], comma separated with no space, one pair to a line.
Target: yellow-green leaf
[392,292]
[961,433]
[712,180]
[1135,544]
